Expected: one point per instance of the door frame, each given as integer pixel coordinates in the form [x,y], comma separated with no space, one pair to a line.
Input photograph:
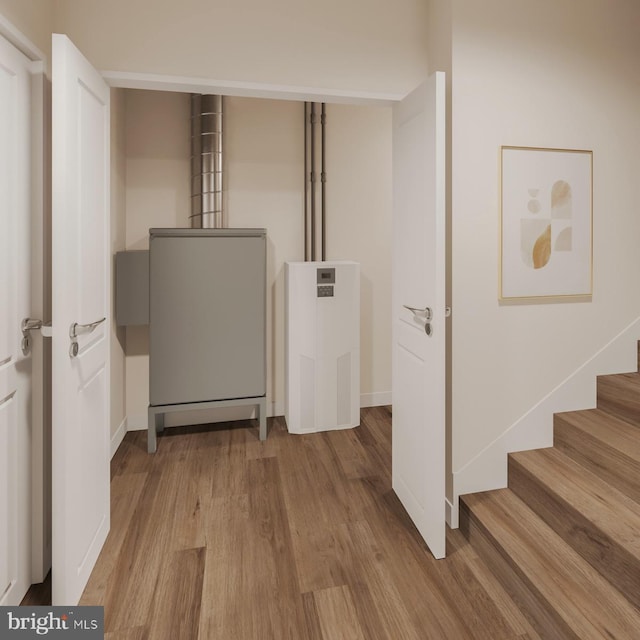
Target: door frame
[40,298]
[185,84]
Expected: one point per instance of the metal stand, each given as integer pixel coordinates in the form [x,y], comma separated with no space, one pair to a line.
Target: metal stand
[157,414]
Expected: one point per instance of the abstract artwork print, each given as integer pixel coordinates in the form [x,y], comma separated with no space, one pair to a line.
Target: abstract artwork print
[546,223]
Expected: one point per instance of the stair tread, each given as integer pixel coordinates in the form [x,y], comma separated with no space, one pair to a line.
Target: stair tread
[585,600]
[630,378]
[614,513]
[614,432]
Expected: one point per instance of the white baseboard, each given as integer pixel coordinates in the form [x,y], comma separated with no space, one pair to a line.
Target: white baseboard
[534,430]
[118,436]
[376,399]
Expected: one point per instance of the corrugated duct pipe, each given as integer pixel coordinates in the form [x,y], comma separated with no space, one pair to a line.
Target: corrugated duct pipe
[206,162]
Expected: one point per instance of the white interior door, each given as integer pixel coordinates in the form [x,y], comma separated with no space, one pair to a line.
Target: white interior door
[81,305]
[15,304]
[419,282]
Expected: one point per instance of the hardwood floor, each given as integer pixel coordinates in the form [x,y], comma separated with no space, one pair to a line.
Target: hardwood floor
[219,536]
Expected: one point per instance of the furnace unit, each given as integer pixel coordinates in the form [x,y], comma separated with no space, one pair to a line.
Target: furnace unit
[207,317]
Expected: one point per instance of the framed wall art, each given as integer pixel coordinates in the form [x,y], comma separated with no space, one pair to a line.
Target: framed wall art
[546,229]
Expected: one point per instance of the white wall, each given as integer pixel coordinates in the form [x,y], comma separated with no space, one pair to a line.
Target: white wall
[368,45]
[542,73]
[264,187]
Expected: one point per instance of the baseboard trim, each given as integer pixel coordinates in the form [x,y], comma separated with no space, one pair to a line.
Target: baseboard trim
[118,436]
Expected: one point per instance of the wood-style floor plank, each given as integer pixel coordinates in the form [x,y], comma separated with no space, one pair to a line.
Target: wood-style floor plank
[337,614]
[499,598]
[145,548]
[125,493]
[299,537]
[377,597]
[178,596]
[135,633]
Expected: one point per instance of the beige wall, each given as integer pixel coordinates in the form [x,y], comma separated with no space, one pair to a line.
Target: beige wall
[368,45]
[157,137]
[359,228]
[34,18]
[263,163]
[542,73]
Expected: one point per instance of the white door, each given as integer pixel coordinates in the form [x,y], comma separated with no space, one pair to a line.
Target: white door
[419,282]
[81,306]
[15,304]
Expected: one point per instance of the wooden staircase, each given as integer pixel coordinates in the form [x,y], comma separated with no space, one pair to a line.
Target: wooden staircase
[564,537]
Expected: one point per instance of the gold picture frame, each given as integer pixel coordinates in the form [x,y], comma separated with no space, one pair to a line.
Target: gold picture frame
[546,225]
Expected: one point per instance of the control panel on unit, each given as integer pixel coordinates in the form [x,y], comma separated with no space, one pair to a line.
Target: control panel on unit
[326,278]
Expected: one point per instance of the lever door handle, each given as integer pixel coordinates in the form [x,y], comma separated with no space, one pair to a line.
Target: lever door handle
[426,312]
[32,324]
[29,324]
[77,329]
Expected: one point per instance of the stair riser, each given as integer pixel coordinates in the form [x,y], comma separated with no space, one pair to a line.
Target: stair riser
[541,614]
[616,395]
[615,563]
[608,463]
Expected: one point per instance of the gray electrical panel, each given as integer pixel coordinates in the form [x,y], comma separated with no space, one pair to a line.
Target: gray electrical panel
[207,303]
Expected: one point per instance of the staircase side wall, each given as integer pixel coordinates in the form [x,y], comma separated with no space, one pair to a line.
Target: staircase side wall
[534,430]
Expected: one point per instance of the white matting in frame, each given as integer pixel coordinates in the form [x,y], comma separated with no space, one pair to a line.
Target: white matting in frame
[546,230]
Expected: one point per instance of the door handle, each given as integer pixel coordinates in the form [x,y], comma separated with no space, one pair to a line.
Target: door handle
[27,326]
[77,329]
[425,314]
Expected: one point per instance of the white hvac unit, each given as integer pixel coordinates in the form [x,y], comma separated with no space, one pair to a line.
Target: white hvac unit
[322,346]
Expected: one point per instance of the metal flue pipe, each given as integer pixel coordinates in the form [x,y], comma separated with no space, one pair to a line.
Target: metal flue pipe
[206,162]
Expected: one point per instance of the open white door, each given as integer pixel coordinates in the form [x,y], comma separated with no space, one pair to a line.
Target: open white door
[418,299]
[15,304]
[81,319]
